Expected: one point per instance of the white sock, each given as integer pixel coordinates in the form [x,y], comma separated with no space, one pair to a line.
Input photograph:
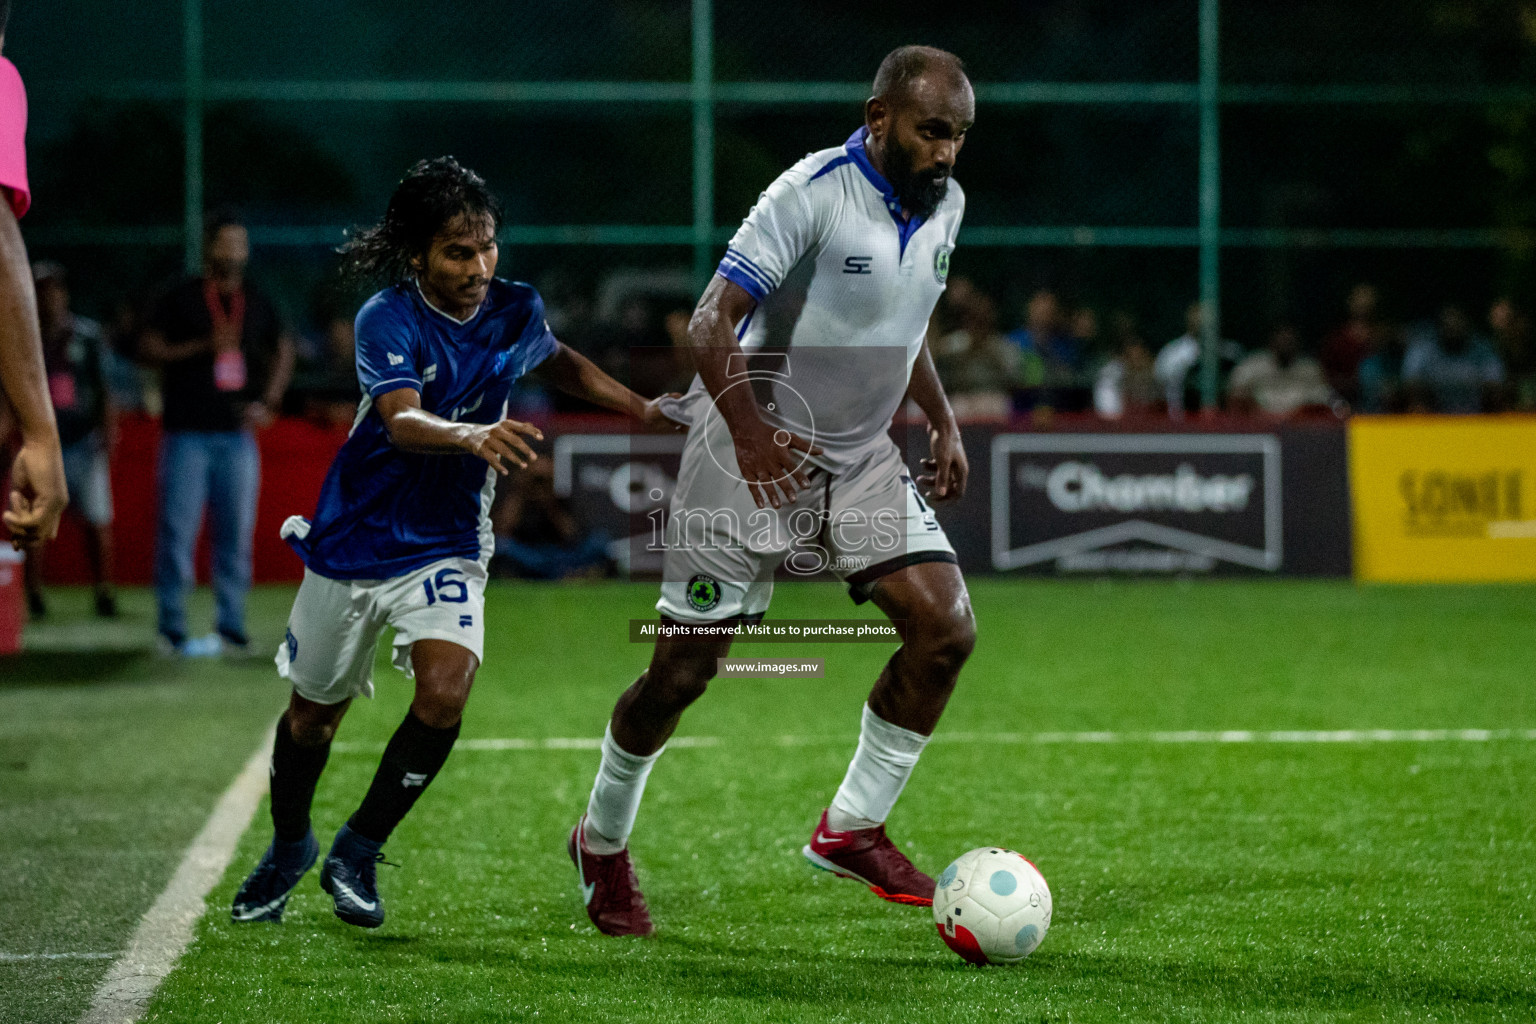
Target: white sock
[615,796]
[879,771]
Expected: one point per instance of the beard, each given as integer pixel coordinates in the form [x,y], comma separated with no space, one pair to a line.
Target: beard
[920,192]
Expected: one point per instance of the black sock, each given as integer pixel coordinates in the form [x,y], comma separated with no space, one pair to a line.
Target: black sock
[295,771]
[415,753]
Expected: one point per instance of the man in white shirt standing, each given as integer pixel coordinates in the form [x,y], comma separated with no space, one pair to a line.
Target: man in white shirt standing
[807,341]
[1279,380]
[1180,356]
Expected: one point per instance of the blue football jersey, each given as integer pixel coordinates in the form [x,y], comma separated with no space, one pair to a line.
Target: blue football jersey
[384,512]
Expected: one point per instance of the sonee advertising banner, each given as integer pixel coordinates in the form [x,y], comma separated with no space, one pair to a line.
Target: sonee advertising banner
[1444,499]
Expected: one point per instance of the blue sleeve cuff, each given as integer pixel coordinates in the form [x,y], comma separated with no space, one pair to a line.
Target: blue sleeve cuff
[545,347]
[742,271]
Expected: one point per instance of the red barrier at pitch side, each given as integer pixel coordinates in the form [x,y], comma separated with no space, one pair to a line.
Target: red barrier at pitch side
[1225,495]
[294,457]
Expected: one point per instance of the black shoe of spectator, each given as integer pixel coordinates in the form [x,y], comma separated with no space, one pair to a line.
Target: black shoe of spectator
[36,606]
[234,646]
[106,604]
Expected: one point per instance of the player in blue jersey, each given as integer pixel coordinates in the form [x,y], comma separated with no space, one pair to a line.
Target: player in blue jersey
[401,535]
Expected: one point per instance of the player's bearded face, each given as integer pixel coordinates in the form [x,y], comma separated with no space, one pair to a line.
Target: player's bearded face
[920,189]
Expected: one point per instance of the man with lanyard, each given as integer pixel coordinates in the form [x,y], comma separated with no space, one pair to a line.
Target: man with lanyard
[225,362]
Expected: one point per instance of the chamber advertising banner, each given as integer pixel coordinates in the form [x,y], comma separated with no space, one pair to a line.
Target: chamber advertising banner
[1273,501]
[1076,502]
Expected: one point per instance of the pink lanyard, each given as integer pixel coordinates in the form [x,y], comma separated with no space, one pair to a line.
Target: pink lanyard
[228,367]
[236,314]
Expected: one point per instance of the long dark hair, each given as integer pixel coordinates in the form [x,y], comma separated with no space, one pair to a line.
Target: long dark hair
[432,195]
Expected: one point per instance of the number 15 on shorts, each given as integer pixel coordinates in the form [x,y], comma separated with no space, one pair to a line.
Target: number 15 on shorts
[448,586]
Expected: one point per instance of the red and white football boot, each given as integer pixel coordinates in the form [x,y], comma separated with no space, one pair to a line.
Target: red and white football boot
[609,888]
[867,855]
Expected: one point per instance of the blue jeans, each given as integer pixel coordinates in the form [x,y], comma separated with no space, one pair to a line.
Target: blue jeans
[223,472]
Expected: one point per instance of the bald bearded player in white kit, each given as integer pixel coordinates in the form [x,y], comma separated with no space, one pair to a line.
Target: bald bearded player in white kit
[835,272]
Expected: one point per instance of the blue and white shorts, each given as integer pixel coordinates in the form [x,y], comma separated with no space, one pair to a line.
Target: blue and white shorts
[333,630]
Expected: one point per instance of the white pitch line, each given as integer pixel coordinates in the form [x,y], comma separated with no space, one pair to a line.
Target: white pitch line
[166,927]
[16,958]
[1225,736]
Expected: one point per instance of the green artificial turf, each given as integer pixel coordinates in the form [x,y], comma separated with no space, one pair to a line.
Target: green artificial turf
[110,760]
[1192,882]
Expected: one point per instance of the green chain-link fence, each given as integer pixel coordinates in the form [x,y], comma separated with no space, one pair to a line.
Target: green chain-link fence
[1134,154]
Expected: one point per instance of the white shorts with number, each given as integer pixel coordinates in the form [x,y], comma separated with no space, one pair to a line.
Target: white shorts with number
[334,627]
[860,523]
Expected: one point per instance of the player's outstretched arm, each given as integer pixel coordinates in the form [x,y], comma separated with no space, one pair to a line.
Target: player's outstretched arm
[767,459]
[575,374]
[38,493]
[948,468]
[412,429]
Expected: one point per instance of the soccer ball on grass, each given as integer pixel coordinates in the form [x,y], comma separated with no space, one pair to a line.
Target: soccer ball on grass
[992,906]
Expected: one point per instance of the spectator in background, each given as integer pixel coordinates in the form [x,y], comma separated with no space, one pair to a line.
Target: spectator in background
[1083,329]
[1126,385]
[326,389]
[1513,341]
[679,366]
[125,378]
[1352,341]
[1379,376]
[38,493]
[676,326]
[1049,357]
[1279,380]
[1176,359]
[1044,328]
[225,362]
[75,357]
[537,536]
[974,362]
[1447,368]
[623,348]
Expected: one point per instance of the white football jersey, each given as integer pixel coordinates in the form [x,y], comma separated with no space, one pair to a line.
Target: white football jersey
[845,287]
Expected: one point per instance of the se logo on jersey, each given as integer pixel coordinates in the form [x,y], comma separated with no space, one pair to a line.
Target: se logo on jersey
[941,263]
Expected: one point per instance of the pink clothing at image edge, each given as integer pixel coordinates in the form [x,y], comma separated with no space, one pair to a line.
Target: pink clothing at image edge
[13,138]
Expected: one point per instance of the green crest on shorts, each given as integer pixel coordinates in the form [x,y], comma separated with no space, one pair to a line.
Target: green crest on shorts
[703,592]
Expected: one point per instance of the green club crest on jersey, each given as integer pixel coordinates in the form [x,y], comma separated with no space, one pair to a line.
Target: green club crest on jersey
[703,593]
[941,263]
